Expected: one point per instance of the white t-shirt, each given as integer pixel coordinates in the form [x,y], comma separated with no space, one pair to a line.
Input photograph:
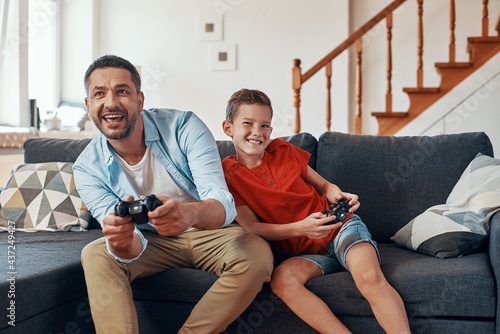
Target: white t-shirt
[150,177]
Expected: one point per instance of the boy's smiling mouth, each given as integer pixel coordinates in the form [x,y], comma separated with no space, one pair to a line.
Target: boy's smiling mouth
[252,141]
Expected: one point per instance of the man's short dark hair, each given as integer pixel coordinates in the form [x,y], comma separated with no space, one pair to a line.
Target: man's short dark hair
[116,62]
[246,96]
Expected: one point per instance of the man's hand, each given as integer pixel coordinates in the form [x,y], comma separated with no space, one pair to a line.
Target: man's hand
[172,217]
[313,226]
[119,231]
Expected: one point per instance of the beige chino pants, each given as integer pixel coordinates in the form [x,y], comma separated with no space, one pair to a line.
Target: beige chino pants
[243,261]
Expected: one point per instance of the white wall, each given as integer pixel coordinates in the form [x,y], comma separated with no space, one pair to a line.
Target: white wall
[160,36]
[77,46]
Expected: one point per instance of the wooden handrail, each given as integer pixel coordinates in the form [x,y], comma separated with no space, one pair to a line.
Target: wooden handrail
[298,78]
[352,39]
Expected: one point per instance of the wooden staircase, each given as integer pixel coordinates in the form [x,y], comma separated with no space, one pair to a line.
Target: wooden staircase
[480,49]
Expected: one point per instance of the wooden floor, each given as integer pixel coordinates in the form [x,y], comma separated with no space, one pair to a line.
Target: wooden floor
[7,161]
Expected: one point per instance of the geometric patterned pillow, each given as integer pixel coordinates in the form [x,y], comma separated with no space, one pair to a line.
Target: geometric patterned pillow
[461,225]
[43,197]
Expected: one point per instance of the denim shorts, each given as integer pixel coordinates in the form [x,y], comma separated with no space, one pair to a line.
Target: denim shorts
[351,233]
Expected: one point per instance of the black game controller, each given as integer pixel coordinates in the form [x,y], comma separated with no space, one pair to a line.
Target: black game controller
[138,209]
[340,210]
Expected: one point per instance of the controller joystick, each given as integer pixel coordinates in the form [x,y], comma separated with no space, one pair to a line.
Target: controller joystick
[340,210]
[138,209]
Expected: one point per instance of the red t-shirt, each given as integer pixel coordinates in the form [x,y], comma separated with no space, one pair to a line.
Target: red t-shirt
[277,194]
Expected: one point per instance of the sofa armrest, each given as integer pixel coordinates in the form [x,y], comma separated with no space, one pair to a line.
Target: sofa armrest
[494,250]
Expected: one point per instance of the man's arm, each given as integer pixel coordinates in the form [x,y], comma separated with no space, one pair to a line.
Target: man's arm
[174,217]
[313,226]
[205,166]
[125,243]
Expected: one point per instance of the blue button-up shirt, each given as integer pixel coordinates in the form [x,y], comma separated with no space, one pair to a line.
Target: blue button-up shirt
[183,145]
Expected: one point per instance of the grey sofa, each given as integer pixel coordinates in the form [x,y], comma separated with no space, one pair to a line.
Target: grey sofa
[456,295]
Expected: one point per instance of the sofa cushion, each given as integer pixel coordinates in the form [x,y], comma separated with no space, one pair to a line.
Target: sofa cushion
[461,226]
[430,287]
[53,149]
[43,197]
[397,178]
[48,270]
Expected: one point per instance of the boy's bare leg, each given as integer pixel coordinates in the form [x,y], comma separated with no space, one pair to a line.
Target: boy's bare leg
[288,283]
[386,304]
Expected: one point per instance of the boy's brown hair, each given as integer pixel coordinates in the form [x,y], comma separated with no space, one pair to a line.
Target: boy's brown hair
[246,96]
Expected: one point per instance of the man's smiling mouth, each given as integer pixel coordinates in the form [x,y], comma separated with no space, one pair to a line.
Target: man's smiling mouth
[113,118]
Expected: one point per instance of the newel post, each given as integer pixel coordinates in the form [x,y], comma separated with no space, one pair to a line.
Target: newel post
[296,84]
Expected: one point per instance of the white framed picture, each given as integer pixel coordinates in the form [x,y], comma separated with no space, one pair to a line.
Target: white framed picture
[223,56]
[209,28]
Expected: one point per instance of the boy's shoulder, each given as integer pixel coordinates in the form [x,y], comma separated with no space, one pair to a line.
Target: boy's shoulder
[229,161]
[277,143]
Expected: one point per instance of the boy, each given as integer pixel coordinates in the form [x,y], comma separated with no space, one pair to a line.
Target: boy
[279,197]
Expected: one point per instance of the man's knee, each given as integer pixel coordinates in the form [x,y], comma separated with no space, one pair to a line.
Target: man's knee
[94,252]
[255,256]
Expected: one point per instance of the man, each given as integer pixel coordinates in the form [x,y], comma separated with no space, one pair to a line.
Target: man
[173,155]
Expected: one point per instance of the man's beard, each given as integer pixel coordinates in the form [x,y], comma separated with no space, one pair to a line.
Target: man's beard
[125,133]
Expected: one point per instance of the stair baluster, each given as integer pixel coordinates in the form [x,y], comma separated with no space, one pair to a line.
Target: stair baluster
[420,46]
[296,84]
[388,95]
[359,86]
[328,72]
[485,20]
[452,31]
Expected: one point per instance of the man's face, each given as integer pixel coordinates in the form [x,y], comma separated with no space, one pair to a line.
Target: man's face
[113,102]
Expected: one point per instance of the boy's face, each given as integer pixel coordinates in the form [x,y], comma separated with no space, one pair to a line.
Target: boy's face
[250,130]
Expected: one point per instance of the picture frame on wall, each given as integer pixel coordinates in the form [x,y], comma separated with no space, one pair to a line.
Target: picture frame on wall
[209,28]
[223,56]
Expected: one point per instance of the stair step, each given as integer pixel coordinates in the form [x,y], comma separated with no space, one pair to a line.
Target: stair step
[481,40]
[453,65]
[389,114]
[421,90]
[487,39]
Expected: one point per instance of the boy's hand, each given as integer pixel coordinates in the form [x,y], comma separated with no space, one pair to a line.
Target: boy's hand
[352,198]
[313,226]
